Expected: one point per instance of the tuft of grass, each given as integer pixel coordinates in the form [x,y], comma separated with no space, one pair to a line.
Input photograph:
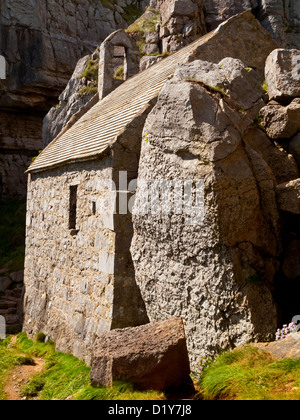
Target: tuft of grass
[12,234]
[145,24]
[212,89]
[91,71]
[258,121]
[250,374]
[8,359]
[265,86]
[91,89]
[119,73]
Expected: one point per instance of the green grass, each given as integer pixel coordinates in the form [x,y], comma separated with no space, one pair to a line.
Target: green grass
[250,374]
[119,73]
[265,86]
[91,71]
[8,360]
[12,234]
[144,24]
[63,376]
[89,90]
[91,74]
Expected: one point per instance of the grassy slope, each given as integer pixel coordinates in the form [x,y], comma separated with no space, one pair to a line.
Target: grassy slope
[64,375]
[250,374]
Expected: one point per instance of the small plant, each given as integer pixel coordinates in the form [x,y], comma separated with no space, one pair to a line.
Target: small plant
[91,89]
[265,87]
[109,4]
[33,159]
[119,73]
[258,121]
[91,71]
[285,331]
[144,24]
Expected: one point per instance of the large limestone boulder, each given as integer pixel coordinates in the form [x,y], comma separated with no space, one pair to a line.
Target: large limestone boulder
[283,74]
[152,356]
[288,348]
[281,122]
[212,265]
[288,196]
[282,19]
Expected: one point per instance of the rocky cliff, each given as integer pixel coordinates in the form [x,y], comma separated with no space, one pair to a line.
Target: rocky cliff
[42,42]
[280,17]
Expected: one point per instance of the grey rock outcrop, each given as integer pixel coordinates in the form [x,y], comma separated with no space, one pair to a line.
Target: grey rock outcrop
[280,17]
[217,11]
[282,20]
[281,122]
[288,348]
[42,42]
[215,272]
[152,356]
[76,95]
[288,196]
[11,301]
[283,74]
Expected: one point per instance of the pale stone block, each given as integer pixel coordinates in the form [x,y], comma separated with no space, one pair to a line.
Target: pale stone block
[106,263]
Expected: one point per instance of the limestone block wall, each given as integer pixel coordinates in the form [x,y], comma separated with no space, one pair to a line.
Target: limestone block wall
[69,278]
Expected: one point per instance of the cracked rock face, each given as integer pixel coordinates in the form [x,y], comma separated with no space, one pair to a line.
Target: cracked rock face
[216,272]
[281,18]
[41,42]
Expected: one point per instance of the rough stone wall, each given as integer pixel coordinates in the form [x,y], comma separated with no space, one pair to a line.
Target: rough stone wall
[69,294]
